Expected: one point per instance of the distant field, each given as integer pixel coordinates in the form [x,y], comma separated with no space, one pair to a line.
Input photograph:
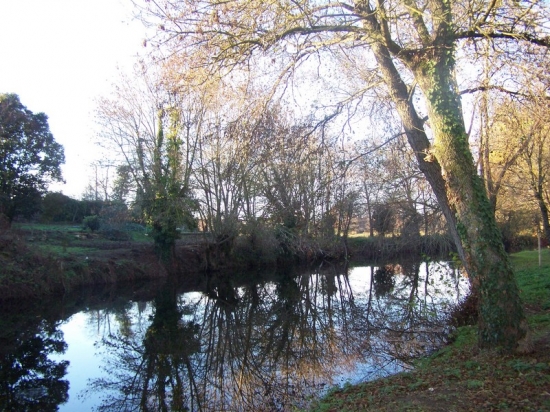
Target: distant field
[136,233]
[60,227]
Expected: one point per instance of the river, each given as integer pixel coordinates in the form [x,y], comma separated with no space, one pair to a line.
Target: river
[232,343]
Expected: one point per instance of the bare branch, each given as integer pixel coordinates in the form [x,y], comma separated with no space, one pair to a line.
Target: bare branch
[520,36]
[500,89]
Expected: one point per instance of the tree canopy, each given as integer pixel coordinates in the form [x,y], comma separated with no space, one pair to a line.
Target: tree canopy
[30,158]
[404,51]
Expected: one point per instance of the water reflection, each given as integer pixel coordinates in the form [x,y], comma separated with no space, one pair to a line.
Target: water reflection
[29,379]
[149,369]
[272,345]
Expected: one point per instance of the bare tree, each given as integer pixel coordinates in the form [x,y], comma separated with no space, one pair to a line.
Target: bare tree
[535,165]
[412,45]
[148,123]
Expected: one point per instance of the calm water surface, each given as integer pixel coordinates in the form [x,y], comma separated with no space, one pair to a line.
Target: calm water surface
[223,345]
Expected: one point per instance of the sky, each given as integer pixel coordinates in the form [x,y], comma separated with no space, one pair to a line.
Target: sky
[59,56]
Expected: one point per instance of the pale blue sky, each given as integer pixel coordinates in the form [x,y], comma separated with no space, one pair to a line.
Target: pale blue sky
[58,56]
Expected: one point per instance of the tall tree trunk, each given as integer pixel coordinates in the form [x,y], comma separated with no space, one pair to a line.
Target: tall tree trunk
[369,209]
[418,140]
[501,317]
[543,213]
[536,173]
[449,168]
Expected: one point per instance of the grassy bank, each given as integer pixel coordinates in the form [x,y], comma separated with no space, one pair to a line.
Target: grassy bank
[37,260]
[42,259]
[460,377]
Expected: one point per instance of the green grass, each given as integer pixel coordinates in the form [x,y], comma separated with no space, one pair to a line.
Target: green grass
[528,259]
[65,251]
[141,237]
[48,227]
[55,231]
[533,281]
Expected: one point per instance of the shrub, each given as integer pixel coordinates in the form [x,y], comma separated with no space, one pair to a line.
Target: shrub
[91,222]
[112,232]
[257,244]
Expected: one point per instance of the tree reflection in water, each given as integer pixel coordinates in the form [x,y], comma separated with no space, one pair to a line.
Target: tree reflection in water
[274,345]
[384,280]
[151,370]
[29,380]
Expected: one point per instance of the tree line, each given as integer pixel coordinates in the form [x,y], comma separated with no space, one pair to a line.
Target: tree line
[242,118]
[410,54]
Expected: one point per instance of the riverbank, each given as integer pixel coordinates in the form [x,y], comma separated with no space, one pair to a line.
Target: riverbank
[46,259]
[43,259]
[460,377]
